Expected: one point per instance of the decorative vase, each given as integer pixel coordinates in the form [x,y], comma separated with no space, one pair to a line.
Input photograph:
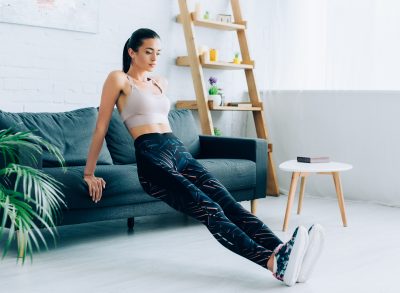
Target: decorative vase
[216,99]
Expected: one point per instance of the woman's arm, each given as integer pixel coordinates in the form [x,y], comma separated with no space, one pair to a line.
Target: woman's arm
[111,91]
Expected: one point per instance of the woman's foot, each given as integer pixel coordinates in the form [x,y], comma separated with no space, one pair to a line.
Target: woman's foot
[288,257]
[316,241]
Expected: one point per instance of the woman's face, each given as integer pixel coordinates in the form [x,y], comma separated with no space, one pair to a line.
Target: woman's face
[146,56]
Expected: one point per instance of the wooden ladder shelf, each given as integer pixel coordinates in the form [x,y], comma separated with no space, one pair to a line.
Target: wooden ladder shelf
[196,62]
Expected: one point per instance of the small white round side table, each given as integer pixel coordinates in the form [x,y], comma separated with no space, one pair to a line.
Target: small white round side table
[303,170]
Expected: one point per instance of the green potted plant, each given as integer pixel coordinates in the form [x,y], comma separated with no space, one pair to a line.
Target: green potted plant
[213,91]
[29,198]
[217,131]
[236,59]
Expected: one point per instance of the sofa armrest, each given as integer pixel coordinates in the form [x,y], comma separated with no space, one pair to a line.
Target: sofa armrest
[254,149]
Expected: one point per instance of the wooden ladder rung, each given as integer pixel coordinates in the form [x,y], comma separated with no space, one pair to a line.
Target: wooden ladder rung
[192,105]
[212,24]
[184,61]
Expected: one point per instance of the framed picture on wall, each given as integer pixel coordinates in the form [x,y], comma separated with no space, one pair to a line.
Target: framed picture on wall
[75,15]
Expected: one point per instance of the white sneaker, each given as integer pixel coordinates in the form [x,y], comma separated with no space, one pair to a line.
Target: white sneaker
[289,257]
[315,244]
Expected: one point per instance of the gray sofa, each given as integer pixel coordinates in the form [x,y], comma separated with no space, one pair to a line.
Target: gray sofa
[239,163]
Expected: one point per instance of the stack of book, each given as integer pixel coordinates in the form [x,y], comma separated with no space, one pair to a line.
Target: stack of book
[313,159]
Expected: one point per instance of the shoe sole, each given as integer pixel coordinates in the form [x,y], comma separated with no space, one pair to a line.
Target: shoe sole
[296,257]
[314,249]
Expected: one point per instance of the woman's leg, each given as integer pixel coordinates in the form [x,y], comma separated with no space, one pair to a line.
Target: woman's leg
[162,181]
[235,212]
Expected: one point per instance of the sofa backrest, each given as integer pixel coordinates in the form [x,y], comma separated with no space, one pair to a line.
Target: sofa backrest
[70,131]
[120,142]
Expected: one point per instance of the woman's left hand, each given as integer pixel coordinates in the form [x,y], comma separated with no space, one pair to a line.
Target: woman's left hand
[95,186]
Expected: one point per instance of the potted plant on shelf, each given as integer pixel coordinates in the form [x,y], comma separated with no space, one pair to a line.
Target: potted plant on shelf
[217,131]
[29,198]
[213,91]
[236,59]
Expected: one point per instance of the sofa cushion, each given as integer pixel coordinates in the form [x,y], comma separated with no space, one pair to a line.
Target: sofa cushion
[185,128]
[120,141]
[70,131]
[122,186]
[234,174]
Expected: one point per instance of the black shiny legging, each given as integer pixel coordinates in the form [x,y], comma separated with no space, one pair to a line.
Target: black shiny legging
[167,171]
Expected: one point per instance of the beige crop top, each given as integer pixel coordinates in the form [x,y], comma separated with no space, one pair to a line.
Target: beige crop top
[145,107]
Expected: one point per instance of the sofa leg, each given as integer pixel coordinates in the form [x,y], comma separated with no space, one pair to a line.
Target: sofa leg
[131,223]
[253,204]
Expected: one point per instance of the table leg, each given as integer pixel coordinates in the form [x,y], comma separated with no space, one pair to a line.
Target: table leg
[293,184]
[301,195]
[339,193]
[253,206]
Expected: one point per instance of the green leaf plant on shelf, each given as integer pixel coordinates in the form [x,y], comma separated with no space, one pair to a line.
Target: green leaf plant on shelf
[217,131]
[236,59]
[29,198]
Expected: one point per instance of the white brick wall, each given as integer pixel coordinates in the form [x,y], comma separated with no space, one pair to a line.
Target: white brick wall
[47,69]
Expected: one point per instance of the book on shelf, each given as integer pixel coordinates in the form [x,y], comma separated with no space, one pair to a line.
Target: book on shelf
[313,159]
[240,104]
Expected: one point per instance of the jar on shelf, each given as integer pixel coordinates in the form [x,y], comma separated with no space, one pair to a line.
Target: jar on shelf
[213,55]
[205,52]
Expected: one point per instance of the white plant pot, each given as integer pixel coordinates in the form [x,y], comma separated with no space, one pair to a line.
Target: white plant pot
[216,99]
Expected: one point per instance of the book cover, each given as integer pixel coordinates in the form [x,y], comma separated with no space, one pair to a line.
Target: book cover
[313,159]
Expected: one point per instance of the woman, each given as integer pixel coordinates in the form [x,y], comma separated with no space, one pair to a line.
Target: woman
[167,171]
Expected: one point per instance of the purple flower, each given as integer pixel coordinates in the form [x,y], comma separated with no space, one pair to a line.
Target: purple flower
[212,80]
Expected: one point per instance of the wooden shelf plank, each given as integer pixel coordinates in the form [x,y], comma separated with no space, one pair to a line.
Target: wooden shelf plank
[184,61]
[192,105]
[215,24]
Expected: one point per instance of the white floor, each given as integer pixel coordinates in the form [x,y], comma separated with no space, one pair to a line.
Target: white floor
[171,253]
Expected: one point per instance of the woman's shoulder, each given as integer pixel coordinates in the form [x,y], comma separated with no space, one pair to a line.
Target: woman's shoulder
[117,77]
[117,74]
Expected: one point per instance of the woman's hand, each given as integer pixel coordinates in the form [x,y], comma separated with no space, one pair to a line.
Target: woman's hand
[96,185]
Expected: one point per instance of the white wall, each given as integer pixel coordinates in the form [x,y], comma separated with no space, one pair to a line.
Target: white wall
[360,128]
[47,69]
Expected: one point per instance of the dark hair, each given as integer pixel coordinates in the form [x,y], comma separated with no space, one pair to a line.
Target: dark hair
[134,42]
